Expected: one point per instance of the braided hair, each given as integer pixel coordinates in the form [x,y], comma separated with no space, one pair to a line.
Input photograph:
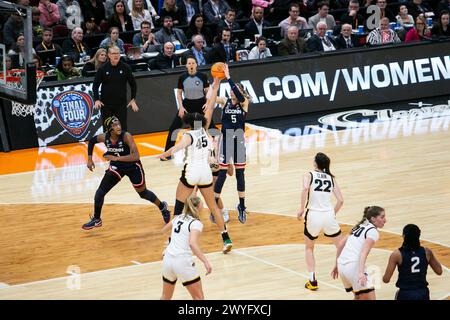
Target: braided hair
[411,237]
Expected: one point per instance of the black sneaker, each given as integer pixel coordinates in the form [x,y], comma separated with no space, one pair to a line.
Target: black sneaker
[166,159]
[242,213]
[165,212]
[94,223]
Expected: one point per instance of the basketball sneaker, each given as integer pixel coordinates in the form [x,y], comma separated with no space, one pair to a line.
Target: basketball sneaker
[225,215]
[94,223]
[242,213]
[312,285]
[165,212]
[227,245]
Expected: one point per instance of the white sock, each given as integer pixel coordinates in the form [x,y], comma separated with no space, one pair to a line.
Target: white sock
[311,276]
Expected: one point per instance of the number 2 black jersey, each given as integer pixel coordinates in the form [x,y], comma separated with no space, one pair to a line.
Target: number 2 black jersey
[412,273]
[233,116]
[118,148]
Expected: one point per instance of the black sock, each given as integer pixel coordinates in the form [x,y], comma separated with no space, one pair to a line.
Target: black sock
[225,235]
[179,206]
[148,195]
[242,202]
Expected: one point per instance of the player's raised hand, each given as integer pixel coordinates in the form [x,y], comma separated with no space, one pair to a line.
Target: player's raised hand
[226,70]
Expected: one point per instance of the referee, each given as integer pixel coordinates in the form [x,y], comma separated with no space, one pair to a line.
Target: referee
[113,76]
[193,84]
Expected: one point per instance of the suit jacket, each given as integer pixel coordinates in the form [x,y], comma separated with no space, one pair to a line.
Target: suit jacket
[71,49]
[251,29]
[222,25]
[162,61]
[209,13]
[190,52]
[314,43]
[286,47]
[162,36]
[342,44]
[218,54]
[315,19]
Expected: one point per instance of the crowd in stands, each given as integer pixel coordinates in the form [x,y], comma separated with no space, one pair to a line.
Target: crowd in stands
[71,37]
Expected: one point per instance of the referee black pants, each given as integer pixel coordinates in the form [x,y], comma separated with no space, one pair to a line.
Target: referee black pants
[120,111]
[177,123]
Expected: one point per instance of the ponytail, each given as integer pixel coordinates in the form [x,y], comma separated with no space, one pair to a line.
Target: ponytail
[411,237]
[323,163]
[192,207]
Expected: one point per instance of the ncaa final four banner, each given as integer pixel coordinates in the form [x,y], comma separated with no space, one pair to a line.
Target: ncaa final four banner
[66,114]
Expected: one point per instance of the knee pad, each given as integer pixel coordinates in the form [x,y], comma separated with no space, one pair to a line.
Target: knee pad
[240,178]
[220,181]
[179,206]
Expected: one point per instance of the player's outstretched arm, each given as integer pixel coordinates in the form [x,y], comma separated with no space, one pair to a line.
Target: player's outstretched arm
[185,141]
[91,145]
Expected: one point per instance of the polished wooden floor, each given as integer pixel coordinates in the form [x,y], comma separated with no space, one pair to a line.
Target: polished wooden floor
[46,195]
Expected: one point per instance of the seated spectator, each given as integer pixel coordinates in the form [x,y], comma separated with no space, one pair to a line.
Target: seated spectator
[229,21]
[403,18]
[260,51]
[322,15]
[198,51]
[382,35]
[90,28]
[146,39]
[292,44]
[37,62]
[67,15]
[93,9]
[19,48]
[36,24]
[214,10]
[110,8]
[293,20]
[188,8]
[170,34]
[120,18]
[66,69]
[139,14]
[441,27]
[352,17]
[417,7]
[12,29]
[47,44]
[148,5]
[198,26]
[346,40]
[49,13]
[419,32]
[75,47]
[384,11]
[223,50]
[99,59]
[320,41]
[170,8]
[166,59]
[256,24]
[8,63]
[113,39]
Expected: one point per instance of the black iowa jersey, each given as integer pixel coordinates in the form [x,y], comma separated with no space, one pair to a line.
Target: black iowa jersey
[118,148]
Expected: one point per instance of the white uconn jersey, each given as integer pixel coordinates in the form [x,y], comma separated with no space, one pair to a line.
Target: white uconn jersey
[320,190]
[355,242]
[197,153]
[182,226]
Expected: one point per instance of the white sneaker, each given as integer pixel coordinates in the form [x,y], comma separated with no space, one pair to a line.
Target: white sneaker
[226,216]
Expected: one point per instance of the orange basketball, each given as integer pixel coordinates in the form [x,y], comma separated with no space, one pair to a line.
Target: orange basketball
[217,70]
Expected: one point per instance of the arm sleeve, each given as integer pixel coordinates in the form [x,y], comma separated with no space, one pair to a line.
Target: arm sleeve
[236,90]
[91,145]
[132,82]
[96,84]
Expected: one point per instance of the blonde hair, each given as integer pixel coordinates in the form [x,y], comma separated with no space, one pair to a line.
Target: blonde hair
[192,206]
[95,61]
[134,11]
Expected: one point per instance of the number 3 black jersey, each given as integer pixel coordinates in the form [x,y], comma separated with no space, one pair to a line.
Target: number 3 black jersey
[233,116]
[118,148]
